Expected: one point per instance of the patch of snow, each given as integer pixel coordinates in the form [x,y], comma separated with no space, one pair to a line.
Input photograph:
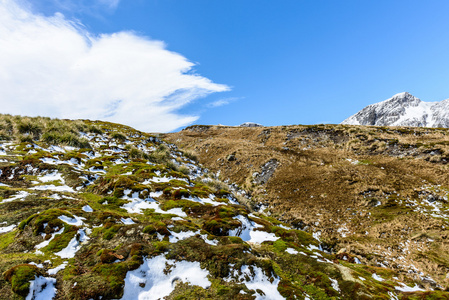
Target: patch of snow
[393,296]
[136,205]
[209,200]
[56,197]
[163,179]
[74,245]
[156,194]
[174,211]
[354,162]
[207,241]
[45,243]
[51,177]
[248,233]
[257,280]
[291,251]
[52,187]
[377,277]
[335,284]
[97,170]
[406,288]
[42,288]
[149,282]
[343,230]
[56,149]
[19,196]
[283,226]
[258,236]
[50,161]
[87,208]
[37,265]
[158,179]
[313,248]
[75,221]
[127,221]
[57,269]
[175,237]
[7,228]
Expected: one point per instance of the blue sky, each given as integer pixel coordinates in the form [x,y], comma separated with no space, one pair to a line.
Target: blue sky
[282,62]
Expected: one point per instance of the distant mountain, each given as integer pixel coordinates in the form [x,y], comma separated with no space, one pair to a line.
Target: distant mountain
[250,124]
[403,109]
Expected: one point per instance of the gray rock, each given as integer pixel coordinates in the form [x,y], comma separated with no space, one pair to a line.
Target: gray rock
[267,170]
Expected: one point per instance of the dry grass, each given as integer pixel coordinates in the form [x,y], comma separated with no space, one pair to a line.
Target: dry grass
[332,176]
[51,131]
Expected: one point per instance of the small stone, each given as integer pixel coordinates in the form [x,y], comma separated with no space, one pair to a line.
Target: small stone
[342,250]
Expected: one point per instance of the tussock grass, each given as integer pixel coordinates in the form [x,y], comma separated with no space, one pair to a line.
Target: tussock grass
[47,130]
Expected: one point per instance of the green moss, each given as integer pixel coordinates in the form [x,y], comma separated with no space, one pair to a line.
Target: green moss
[49,217]
[149,229]
[112,202]
[6,239]
[219,226]
[161,246]
[226,212]
[184,204]
[61,240]
[26,222]
[20,276]
[110,233]
[235,240]
[280,246]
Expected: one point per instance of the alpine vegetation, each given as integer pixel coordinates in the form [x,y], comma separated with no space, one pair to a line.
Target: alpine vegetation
[95,210]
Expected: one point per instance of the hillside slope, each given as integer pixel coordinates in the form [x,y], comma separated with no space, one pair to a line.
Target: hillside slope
[93,210]
[377,194]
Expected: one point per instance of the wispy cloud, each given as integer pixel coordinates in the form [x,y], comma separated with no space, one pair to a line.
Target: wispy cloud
[110,3]
[78,6]
[224,101]
[51,66]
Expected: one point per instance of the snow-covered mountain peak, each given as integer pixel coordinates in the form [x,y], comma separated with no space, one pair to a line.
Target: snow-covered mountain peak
[403,109]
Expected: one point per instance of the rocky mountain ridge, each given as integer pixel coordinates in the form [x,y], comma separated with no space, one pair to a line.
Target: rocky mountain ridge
[403,109]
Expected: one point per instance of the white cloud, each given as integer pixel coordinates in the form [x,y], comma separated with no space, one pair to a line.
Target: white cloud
[50,66]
